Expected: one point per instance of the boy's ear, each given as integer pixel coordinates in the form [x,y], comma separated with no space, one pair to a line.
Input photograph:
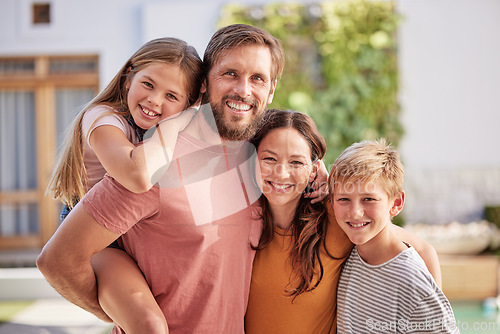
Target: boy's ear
[398,204]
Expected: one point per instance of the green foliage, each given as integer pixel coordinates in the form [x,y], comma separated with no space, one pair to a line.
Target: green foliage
[492,214]
[341,65]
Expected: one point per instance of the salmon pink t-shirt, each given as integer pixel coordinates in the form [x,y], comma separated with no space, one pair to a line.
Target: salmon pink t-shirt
[190,234]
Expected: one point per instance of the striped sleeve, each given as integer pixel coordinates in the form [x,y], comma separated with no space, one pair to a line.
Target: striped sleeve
[399,296]
[433,315]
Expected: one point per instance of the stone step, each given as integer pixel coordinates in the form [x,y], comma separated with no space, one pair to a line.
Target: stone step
[19,277]
[24,284]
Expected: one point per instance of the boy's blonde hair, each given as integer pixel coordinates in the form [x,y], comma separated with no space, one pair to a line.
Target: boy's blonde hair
[368,161]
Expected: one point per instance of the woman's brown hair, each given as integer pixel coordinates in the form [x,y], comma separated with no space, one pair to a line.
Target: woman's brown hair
[310,222]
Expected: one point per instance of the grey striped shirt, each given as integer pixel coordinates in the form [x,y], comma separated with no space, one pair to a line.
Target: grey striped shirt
[398,296]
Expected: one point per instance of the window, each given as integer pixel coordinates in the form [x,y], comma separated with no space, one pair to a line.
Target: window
[39,97]
[41,13]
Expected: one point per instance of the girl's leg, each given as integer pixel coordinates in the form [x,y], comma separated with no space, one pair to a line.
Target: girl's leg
[125,295]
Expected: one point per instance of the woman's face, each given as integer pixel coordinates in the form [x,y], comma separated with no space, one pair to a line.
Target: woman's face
[285,166]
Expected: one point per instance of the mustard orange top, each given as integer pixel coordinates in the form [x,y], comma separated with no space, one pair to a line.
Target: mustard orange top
[270,308]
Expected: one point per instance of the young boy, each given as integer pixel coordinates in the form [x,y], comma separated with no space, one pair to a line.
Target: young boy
[385,286]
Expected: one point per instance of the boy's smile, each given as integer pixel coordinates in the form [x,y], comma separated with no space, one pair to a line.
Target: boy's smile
[363,210]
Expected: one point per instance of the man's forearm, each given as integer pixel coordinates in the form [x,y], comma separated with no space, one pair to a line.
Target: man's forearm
[76,283]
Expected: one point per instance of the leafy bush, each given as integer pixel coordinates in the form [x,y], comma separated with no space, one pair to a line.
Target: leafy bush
[341,65]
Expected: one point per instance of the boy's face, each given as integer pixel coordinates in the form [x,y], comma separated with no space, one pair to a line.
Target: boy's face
[364,210]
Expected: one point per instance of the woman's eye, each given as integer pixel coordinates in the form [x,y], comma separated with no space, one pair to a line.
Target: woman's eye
[269,159]
[147,84]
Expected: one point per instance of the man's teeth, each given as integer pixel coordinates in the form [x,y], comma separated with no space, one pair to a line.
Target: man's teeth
[148,112]
[357,224]
[238,106]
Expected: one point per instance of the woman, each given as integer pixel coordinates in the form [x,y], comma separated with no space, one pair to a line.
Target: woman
[302,249]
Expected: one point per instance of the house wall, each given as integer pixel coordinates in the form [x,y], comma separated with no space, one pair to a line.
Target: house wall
[450,78]
[448,52]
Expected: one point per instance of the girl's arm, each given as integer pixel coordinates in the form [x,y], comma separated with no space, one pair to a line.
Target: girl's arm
[134,166]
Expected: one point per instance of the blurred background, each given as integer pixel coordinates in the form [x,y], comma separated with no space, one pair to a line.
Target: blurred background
[423,73]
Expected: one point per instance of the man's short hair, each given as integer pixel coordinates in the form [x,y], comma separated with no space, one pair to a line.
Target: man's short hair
[236,35]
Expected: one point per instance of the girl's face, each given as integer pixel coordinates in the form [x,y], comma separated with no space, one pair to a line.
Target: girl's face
[156,92]
[285,166]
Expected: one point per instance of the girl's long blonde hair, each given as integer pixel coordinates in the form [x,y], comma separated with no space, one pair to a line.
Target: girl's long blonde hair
[69,179]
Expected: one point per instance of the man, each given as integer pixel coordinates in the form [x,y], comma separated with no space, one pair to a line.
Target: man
[191,234]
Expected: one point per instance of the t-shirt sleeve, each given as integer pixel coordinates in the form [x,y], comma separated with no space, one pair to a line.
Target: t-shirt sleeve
[433,315]
[104,115]
[118,209]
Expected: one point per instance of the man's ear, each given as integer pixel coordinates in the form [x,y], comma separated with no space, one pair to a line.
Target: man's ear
[203,88]
[398,204]
[271,93]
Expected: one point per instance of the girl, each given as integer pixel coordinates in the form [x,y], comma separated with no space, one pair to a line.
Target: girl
[159,81]
[302,249]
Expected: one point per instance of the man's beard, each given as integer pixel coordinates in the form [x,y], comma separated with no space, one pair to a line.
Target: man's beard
[232,129]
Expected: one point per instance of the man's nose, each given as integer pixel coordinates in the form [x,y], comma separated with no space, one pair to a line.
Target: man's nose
[243,88]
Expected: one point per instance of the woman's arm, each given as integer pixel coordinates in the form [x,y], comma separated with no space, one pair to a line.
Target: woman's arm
[424,249]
